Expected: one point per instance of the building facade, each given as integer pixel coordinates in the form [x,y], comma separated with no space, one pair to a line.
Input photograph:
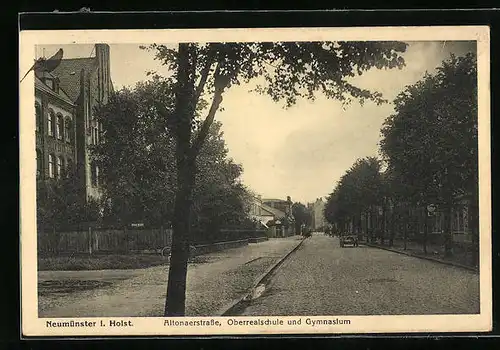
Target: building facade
[65,100]
[283,205]
[275,215]
[317,208]
[55,129]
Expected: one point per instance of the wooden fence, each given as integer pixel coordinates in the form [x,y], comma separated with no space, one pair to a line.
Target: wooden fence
[104,241]
[98,240]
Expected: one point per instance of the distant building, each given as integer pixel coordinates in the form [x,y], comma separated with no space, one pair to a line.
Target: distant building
[280,204]
[317,212]
[274,214]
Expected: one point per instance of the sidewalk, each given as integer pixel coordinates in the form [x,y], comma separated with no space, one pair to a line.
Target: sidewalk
[226,276]
[435,253]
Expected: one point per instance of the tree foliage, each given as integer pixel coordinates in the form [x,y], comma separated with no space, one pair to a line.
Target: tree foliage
[136,156]
[430,142]
[301,215]
[61,206]
[292,70]
[358,189]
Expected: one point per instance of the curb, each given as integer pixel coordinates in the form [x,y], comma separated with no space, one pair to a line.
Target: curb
[444,262]
[238,303]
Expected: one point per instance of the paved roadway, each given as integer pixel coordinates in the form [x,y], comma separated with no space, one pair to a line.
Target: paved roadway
[222,278]
[321,278]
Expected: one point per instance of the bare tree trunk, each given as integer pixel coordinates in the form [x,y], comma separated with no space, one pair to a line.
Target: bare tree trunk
[448,234]
[383,226]
[405,228]
[372,225]
[55,240]
[391,228]
[474,229]
[176,288]
[426,230]
[366,225]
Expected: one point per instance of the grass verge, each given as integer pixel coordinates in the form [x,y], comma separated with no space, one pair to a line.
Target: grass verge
[107,262]
[99,262]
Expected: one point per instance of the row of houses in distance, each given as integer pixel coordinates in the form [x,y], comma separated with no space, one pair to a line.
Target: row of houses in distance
[275,215]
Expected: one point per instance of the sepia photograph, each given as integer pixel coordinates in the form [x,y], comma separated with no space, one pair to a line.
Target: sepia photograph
[255,181]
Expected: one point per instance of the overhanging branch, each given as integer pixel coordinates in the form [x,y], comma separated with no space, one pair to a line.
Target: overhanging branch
[204,75]
[205,127]
[220,83]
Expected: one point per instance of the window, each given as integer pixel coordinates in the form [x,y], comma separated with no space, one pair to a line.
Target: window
[100,130]
[96,135]
[60,127]
[50,123]
[59,167]
[69,167]
[96,175]
[466,218]
[38,163]
[51,166]
[64,167]
[93,174]
[460,219]
[68,129]
[38,113]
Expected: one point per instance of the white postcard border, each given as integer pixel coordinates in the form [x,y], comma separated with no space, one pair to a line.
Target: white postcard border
[34,326]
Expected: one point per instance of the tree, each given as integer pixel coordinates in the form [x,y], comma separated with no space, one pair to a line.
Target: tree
[431,140]
[136,155]
[60,205]
[290,70]
[357,192]
[136,158]
[301,215]
[219,197]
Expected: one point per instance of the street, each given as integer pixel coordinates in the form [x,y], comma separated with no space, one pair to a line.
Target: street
[321,278]
[222,278]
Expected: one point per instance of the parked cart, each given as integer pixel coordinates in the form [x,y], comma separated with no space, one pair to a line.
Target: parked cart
[348,239]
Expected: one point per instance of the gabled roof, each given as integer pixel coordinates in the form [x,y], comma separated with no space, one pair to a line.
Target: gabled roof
[278,214]
[273,200]
[68,73]
[62,95]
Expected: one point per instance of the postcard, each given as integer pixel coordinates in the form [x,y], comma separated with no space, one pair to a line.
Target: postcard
[255,181]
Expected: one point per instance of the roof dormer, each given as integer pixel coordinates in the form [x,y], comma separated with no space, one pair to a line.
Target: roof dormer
[50,80]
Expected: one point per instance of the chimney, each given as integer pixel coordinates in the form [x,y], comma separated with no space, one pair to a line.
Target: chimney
[103,62]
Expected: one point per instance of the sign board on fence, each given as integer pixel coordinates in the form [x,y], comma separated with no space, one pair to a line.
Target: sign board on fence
[431,208]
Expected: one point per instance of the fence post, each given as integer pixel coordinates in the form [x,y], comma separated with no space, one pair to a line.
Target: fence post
[163,237]
[126,239]
[96,240]
[90,240]
[54,240]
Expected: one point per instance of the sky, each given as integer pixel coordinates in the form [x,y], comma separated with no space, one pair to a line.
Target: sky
[302,151]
